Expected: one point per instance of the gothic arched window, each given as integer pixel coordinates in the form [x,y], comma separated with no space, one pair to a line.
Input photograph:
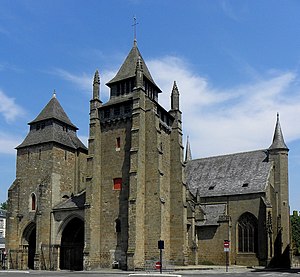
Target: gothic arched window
[247,233]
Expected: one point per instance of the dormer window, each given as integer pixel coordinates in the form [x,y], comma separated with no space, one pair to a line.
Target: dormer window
[211,187]
[245,185]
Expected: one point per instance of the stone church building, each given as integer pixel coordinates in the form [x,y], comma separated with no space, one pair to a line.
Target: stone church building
[108,204]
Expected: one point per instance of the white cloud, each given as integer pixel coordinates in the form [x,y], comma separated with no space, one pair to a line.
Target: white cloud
[8,108]
[8,143]
[231,120]
[85,81]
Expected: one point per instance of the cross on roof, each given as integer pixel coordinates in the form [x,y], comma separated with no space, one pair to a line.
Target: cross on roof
[134,27]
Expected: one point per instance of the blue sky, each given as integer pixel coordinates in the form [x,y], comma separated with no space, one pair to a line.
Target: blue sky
[236,64]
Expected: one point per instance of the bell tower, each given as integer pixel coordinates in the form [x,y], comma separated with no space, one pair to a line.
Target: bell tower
[135,183]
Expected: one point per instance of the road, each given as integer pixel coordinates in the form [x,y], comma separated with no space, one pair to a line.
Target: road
[185,273]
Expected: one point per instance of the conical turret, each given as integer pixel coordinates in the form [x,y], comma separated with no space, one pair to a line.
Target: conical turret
[278,140]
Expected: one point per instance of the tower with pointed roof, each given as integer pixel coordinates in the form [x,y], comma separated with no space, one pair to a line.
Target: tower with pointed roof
[278,155]
[135,172]
[51,165]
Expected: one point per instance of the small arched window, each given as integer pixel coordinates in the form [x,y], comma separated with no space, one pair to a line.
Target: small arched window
[247,233]
[33,202]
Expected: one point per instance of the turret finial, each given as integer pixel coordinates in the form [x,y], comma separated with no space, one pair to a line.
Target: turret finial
[54,94]
[175,97]
[96,85]
[188,152]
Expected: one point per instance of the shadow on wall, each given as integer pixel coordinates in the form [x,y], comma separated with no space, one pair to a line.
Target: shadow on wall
[280,259]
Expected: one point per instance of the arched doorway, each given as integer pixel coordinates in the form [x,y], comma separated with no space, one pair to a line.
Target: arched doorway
[29,236]
[72,243]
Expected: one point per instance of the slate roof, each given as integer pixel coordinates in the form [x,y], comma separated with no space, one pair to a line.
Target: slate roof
[278,140]
[128,68]
[52,133]
[57,128]
[233,174]
[53,110]
[75,202]
[212,212]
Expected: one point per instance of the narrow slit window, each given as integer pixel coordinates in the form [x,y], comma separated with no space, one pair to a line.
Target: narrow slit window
[33,202]
[118,144]
[118,225]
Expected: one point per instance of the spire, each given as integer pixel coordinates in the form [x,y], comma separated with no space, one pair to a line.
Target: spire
[128,68]
[96,85]
[278,140]
[188,152]
[175,97]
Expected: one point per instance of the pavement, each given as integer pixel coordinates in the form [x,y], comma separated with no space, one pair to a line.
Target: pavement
[186,270]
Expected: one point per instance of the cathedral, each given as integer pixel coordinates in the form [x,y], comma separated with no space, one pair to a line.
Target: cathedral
[107,205]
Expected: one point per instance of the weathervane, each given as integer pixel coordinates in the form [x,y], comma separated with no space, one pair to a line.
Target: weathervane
[134,28]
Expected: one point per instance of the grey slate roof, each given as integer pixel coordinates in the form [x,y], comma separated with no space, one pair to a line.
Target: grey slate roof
[54,118]
[128,68]
[278,140]
[240,173]
[52,133]
[75,202]
[212,213]
[53,110]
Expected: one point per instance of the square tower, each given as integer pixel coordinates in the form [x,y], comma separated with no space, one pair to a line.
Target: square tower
[135,188]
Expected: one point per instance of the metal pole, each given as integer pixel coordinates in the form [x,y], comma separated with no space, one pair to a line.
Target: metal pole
[226,261]
[160,260]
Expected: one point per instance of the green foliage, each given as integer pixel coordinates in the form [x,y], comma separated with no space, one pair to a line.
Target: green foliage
[3,205]
[295,225]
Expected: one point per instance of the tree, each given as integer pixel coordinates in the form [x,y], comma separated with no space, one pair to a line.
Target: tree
[3,205]
[295,224]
